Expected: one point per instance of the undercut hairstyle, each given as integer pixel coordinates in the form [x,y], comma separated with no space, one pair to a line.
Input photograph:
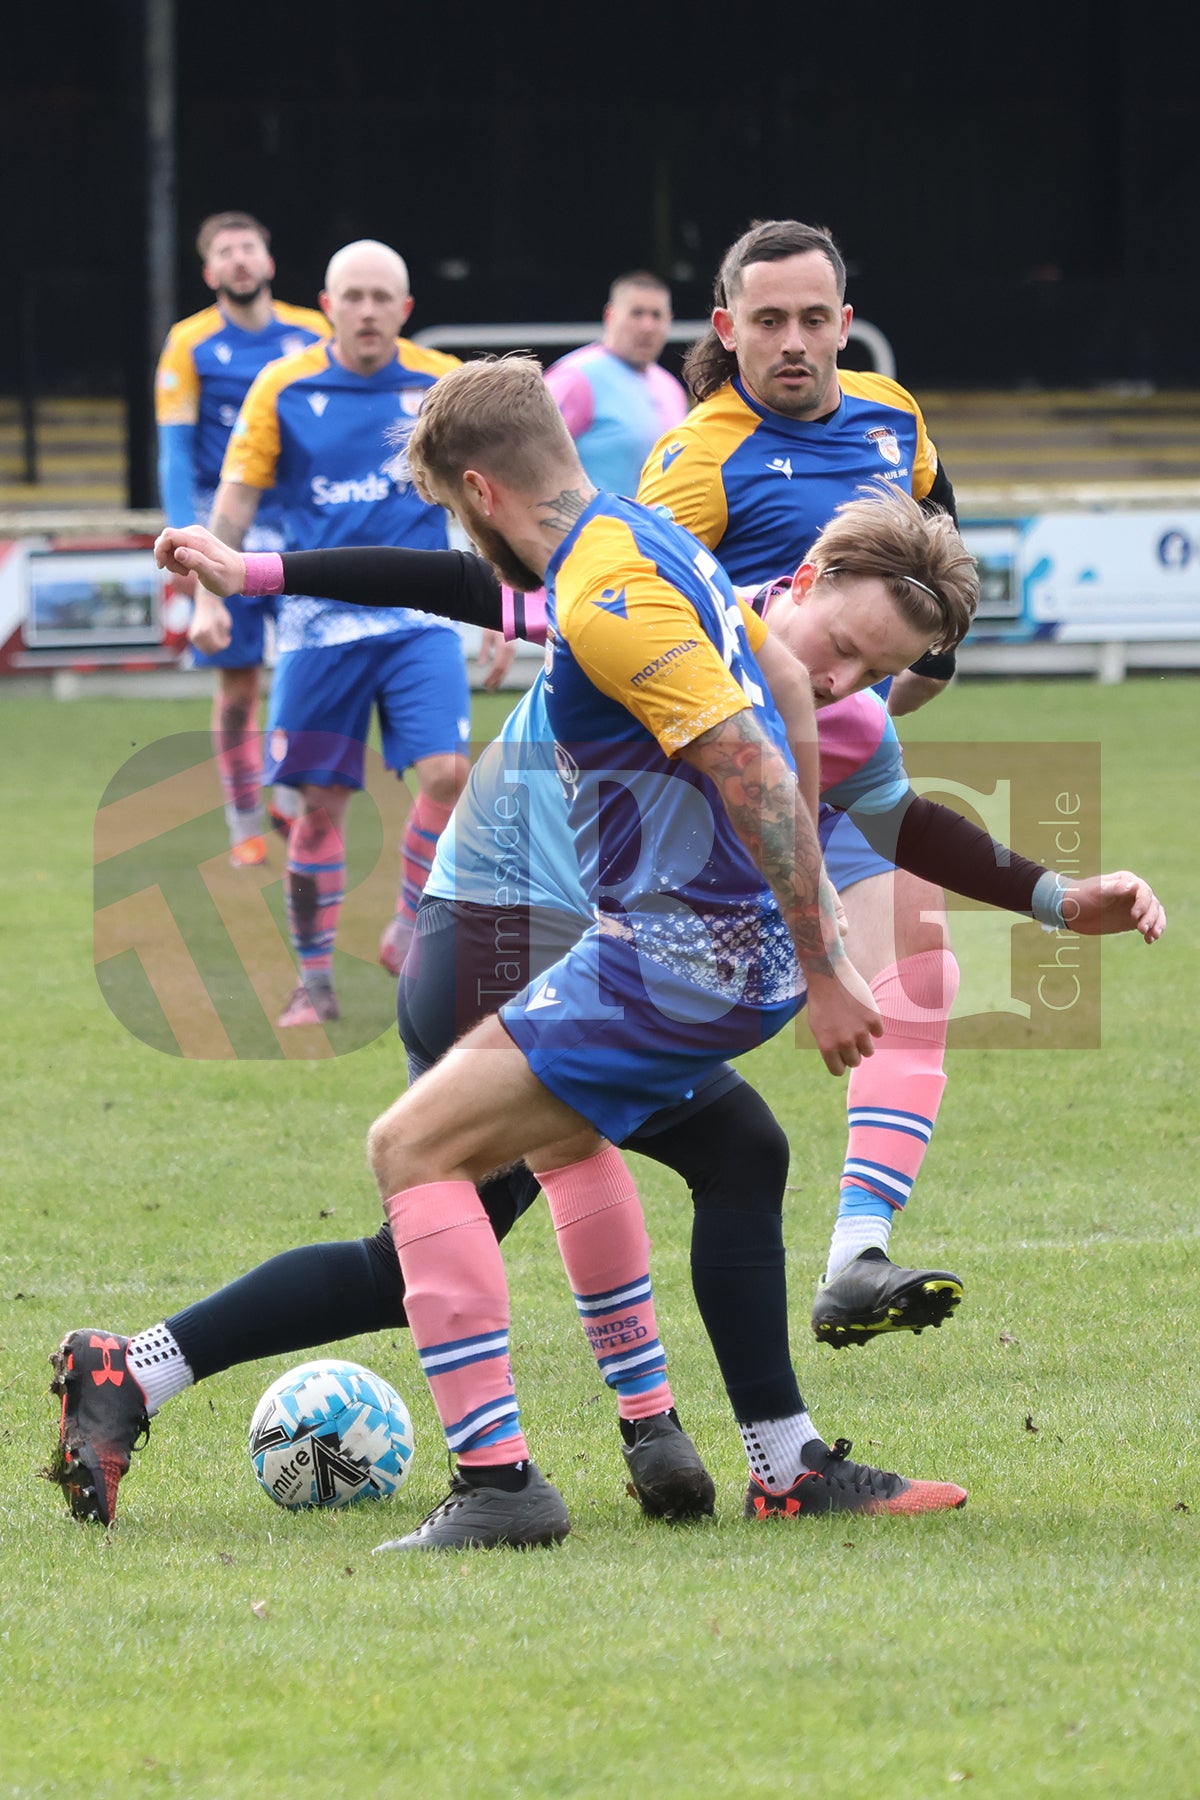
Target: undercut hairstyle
[919,556]
[638,278]
[495,414]
[228,221]
[708,364]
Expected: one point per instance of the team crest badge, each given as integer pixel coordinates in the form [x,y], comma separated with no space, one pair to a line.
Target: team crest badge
[410,401]
[279,745]
[289,345]
[887,444]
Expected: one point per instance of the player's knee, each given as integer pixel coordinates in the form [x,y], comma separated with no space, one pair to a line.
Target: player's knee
[443,778]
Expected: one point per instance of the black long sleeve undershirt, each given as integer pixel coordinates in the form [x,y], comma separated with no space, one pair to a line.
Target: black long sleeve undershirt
[928,840]
[455,584]
[939,845]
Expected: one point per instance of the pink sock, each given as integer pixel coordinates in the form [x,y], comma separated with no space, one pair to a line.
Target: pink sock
[456,1298]
[238,747]
[894,1096]
[316,880]
[602,1237]
[425,825]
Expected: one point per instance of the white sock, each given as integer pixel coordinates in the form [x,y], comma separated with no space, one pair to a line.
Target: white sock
[773,1447]
[853,1235]
[159,1365]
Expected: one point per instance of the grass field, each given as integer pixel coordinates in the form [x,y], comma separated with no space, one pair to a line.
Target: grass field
[1044,1640]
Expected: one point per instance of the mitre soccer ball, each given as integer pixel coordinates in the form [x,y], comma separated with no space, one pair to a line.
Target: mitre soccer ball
[330,1434]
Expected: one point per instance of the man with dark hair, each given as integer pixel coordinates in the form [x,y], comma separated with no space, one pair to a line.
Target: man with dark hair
[780,438]
[204,373]
[884,581]
[614,395]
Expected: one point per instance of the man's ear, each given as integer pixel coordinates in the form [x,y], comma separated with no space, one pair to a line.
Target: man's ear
[803,582]
[478,489]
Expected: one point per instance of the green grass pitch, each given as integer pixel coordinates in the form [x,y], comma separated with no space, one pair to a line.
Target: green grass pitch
[1044,1640]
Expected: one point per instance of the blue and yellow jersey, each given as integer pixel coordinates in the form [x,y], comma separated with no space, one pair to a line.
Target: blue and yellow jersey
[648,649]
[757,487]
[207,366]
[332,445]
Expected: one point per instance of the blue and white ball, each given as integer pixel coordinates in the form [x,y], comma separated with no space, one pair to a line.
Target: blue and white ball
[330,1434]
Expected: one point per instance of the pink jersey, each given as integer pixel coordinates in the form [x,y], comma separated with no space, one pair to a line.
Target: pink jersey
[614,412]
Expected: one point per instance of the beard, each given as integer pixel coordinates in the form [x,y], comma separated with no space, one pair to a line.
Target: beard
[503,558]
[244,296]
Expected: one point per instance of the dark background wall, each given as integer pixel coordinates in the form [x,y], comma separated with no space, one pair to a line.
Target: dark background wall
[1015,188]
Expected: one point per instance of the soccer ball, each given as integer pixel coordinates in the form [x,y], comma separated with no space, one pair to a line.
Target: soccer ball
[330,1434]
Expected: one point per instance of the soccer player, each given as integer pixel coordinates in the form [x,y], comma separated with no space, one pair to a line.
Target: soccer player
[522,892]
[325,430]
[207,365]
[616,398]
[779,437]
[615,395]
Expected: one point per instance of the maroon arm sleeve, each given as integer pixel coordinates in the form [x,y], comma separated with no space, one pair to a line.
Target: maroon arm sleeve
[942,847]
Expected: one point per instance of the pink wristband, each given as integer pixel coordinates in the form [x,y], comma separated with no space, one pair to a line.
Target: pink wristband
[264,574]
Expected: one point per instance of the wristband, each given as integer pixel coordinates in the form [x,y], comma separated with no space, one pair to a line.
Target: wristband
[1046,904]
[264,574]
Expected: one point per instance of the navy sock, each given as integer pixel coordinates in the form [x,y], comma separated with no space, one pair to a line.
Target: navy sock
[741,1291]
[297,1301]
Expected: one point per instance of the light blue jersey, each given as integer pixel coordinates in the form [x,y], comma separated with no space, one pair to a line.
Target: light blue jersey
[509,843]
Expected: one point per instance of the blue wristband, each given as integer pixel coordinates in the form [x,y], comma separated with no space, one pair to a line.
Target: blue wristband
[1046,905]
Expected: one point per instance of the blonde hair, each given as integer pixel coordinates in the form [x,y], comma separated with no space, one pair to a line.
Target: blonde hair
[495,413]
[929,573]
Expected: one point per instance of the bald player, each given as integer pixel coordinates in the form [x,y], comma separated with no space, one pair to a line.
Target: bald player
[324,431]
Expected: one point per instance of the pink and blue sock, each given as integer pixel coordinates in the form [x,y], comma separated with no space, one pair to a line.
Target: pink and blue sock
[893,1101]
[424,826]
[602,1238]
[315,888]
[456,1297]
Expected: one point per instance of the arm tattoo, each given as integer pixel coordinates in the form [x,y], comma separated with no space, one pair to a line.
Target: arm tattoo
[768,812]
[560,513]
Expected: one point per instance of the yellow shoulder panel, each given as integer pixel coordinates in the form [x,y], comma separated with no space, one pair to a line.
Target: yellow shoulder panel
[176,384]
[865,384]
[252,453]
[305,316]
[685,470]
[424,361]
[650,653]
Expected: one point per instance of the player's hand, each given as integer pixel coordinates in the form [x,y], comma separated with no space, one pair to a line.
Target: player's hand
[211,628]
[1104,904]
[191,550]
[495,658]
[842,1016]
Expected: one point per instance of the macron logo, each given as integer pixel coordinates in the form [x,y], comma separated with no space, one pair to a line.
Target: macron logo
[223,353]
[782,465]
[669,455]
[318,402]
[545,996]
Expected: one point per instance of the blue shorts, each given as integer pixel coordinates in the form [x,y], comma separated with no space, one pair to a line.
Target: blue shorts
[848,856]
[321,703]
[248,618]
[594,1035]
